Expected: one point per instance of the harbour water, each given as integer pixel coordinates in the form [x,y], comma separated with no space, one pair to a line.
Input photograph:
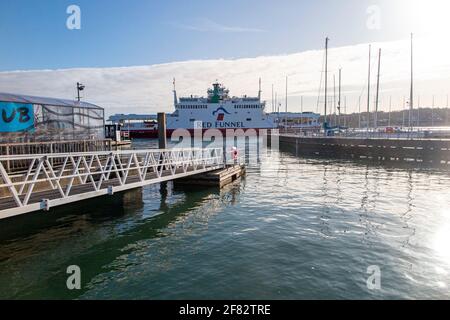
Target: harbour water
[293,228]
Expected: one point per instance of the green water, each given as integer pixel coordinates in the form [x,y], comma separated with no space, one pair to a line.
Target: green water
[294,228]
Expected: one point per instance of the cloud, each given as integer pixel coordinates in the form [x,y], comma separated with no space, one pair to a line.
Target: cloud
[148,89]
[206,25]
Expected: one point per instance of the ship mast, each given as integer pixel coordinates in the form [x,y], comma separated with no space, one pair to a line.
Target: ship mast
[175,99]
[259,92]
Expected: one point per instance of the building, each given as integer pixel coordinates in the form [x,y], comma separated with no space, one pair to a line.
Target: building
[37,119]
[304,120]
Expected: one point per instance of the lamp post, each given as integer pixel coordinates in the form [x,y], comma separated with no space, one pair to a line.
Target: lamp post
[80,87]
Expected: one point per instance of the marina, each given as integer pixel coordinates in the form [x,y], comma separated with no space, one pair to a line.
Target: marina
[351,215]
[286,151]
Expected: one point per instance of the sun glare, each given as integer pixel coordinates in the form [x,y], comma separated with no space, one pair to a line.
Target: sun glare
[430,17]
[441,243]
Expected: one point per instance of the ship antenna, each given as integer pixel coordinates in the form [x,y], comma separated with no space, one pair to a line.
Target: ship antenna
[175,100]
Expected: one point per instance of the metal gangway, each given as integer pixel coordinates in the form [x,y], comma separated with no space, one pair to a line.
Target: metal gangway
[56,179]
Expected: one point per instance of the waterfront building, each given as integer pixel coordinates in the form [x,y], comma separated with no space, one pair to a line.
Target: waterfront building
[38,119]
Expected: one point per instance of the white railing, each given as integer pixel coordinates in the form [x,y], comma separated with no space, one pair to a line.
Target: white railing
[84,175]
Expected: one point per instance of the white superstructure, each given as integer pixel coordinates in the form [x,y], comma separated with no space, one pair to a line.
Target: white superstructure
[219,111]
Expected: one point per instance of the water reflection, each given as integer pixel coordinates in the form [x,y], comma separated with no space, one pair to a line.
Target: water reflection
[294,228]
[100,241]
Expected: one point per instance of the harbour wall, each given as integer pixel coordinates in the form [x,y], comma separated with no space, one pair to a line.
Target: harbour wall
[418,150]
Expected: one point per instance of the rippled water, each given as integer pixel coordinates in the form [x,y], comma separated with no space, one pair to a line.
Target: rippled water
[294,228]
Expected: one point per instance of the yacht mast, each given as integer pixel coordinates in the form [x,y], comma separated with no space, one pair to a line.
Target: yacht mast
[286,117]
[326,82]
[368,91]
[272,100]
[411,94]
[339,98]
[378,91]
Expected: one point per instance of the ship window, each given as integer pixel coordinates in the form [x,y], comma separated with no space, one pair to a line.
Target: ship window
[249,119]
[191,120]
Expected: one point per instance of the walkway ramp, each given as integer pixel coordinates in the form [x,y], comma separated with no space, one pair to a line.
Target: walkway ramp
[56,179]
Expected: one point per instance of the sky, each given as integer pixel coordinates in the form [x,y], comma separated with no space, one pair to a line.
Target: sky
[127,52]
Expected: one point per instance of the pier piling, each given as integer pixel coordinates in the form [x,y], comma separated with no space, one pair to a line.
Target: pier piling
[162,137]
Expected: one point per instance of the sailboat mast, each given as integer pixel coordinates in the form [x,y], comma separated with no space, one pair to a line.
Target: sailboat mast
[432,112]
[378,91]
[301,110]
[339,98]
[390,109]
[411,95]
[334,99]
[272,100]
[326,81]
[286,117]
[359,113]
[446,113]
[368,90]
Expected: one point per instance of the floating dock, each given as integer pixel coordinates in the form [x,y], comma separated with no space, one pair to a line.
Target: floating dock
[218,178]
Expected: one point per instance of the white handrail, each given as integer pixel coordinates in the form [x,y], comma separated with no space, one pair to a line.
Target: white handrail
[95,169]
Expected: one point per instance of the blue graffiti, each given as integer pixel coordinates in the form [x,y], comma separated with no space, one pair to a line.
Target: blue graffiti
[16,117]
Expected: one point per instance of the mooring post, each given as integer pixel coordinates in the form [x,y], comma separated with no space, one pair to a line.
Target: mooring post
[162,138]
[8,164]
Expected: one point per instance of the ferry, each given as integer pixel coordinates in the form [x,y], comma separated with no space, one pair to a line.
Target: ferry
[216,111]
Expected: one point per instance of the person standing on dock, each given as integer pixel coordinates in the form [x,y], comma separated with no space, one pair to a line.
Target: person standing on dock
[235,155]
